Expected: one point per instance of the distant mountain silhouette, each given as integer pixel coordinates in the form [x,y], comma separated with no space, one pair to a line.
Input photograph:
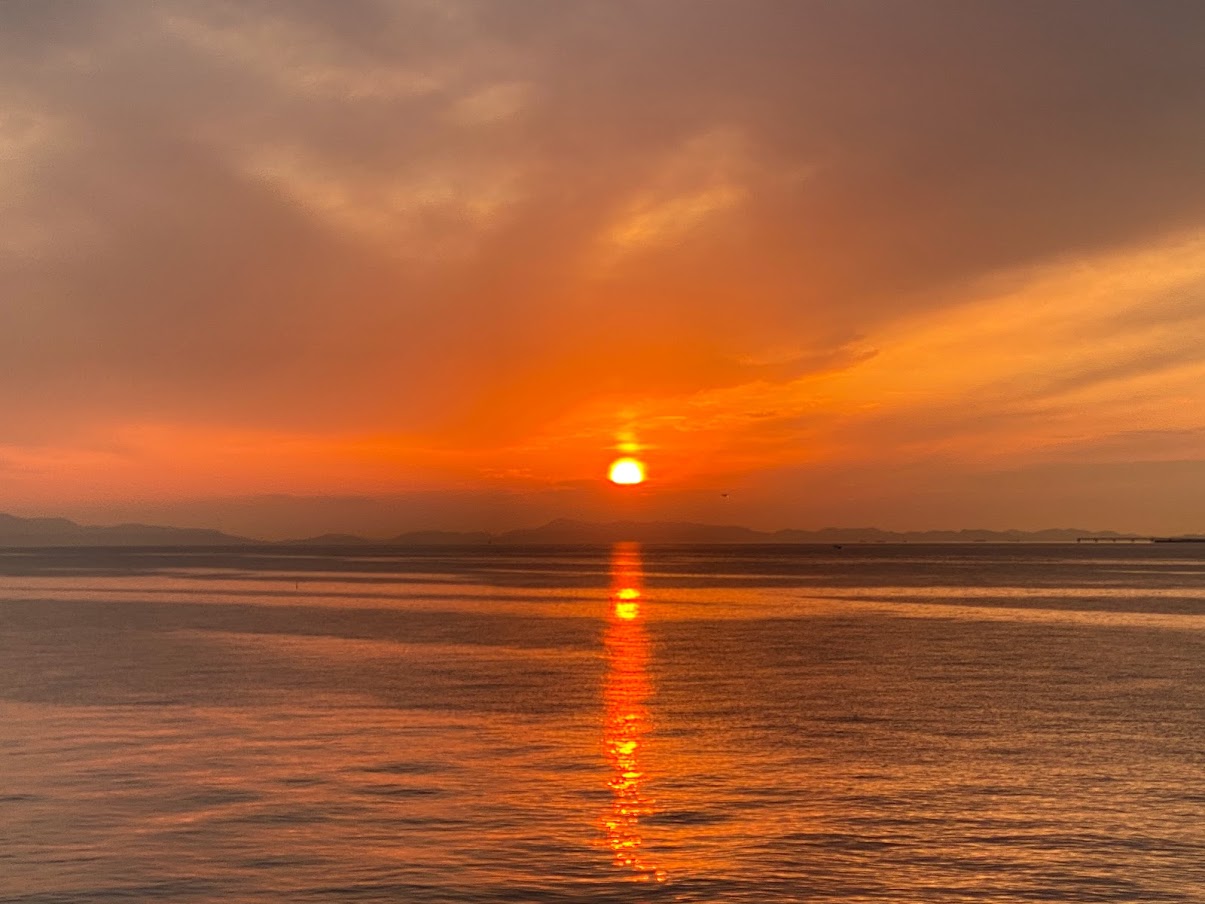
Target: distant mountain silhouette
[874,535]
[571,532]
[16,531]
[567,531]
[564,530]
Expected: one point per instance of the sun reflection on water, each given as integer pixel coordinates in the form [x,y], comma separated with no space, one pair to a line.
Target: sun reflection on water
[626,689]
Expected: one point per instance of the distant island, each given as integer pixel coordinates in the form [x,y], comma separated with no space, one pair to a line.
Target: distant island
[35,532]
[16,531]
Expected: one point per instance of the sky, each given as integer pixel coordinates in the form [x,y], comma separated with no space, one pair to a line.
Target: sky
[289,267]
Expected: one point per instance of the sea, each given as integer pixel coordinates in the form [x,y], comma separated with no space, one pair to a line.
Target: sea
[869,723]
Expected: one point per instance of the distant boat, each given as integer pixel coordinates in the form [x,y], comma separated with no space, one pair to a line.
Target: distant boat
[1178,539]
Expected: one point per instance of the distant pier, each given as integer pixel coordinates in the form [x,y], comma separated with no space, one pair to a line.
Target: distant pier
[1140,539]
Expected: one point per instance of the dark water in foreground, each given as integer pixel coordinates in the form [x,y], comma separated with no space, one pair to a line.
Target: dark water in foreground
[929,724]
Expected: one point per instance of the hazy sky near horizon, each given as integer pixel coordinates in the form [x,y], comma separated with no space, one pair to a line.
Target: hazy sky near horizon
[290,267]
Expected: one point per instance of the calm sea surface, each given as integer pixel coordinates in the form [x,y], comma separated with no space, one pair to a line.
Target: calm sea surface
[874,723]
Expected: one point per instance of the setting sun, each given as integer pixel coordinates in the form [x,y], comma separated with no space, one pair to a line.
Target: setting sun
[627,471]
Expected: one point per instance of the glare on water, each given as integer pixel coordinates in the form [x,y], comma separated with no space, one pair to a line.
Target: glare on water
[626,690]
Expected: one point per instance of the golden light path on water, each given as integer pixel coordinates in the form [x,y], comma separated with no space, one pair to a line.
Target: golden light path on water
[626,690]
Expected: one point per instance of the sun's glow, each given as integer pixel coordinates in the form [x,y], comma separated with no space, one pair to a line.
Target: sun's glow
[626,610]
[627,471]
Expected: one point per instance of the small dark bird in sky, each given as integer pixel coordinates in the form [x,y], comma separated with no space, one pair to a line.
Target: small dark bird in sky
[724,495]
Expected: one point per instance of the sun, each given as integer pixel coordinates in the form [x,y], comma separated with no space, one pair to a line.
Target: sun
[627,471]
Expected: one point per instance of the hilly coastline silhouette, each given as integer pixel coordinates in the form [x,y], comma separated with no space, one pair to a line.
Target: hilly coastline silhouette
[49,532]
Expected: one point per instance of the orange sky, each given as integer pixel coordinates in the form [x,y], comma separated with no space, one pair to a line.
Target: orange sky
[288,268]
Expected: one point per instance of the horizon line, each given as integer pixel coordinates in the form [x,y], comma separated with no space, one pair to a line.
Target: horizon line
[210,536]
